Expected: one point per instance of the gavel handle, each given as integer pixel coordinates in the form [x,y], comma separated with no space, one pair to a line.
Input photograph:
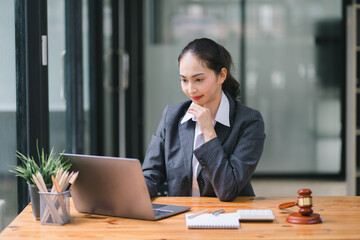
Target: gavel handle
[287,205]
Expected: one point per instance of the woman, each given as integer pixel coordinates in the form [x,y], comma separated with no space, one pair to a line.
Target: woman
[210,145]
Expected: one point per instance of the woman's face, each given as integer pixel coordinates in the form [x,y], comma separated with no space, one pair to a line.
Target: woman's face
[200,83]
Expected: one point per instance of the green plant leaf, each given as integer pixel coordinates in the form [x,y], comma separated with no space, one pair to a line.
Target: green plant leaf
[48,165]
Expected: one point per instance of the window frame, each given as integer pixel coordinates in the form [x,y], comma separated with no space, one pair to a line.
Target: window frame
[32,111]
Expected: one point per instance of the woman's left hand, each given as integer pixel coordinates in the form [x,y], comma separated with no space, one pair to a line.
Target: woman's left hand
[204,120]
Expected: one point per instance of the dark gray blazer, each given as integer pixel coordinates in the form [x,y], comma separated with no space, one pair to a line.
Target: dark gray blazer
[227,162]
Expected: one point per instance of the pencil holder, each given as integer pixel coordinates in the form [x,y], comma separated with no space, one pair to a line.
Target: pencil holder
[54,208]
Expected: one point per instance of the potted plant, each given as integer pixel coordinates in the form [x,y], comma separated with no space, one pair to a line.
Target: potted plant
[48,166]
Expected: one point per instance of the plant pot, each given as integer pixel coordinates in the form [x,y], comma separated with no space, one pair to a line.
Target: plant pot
[35,200]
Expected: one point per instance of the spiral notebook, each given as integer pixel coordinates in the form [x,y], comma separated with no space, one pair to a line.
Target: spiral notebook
[208,220]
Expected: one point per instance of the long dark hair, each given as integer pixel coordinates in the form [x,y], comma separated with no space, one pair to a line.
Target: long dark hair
[215,57]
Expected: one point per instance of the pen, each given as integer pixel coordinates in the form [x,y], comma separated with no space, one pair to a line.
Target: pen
[71,181]
[217,212]
[197,214]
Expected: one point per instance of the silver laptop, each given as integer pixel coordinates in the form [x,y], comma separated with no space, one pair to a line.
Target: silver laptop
[115,187]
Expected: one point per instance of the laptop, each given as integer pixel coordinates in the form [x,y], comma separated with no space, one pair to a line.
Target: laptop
[115,187]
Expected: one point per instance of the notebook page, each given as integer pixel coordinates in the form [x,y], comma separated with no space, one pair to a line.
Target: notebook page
[208,220]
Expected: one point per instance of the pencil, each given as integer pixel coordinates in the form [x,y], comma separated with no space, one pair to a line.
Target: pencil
[197,214]
[61,200]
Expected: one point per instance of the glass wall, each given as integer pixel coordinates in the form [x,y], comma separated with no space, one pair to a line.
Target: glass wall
[293,71]
[56,49]
[8,182]
[108,92]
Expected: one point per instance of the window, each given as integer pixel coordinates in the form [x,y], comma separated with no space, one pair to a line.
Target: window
[8,182]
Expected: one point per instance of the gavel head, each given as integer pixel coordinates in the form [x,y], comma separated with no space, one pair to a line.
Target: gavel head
[305,202]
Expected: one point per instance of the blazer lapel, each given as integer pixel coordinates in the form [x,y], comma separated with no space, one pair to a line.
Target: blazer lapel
[186,133]
[222,131]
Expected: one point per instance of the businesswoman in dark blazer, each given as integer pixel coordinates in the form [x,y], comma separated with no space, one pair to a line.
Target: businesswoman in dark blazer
[211,144]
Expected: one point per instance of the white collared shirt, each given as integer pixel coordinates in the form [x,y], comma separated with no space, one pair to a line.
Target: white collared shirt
[222,116]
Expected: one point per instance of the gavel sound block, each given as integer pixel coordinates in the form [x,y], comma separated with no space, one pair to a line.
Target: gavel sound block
[305,214]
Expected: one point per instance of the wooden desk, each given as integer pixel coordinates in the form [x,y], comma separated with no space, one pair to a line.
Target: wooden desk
[341,217]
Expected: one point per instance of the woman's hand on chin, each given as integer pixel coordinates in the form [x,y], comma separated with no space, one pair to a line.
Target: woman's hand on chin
[204,119]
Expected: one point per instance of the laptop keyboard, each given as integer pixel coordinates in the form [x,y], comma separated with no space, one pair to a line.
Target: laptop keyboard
[160,212]
[157,205]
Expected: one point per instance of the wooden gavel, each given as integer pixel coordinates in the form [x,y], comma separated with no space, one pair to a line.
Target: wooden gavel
[304,202]
[305,214]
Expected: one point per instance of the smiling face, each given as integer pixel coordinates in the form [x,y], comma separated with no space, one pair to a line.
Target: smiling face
[201,84]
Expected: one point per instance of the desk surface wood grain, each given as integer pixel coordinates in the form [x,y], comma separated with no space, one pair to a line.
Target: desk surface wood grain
[341,217]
